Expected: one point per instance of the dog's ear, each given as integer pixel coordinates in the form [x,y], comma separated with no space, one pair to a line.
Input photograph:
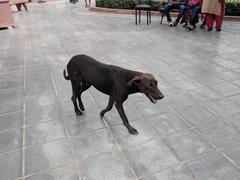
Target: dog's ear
[135,81]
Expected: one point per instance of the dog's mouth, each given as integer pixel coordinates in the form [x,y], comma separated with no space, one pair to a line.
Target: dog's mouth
[152,99]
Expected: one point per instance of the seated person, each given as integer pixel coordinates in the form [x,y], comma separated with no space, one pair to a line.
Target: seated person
[175,4]
[195,7]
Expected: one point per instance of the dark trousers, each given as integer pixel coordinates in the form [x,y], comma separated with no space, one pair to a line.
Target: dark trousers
[196,9]
[167,8]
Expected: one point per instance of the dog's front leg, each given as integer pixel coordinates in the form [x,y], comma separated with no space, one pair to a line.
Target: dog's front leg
[108,108]
[124,118]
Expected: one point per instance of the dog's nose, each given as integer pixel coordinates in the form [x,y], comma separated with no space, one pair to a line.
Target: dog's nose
[161,96]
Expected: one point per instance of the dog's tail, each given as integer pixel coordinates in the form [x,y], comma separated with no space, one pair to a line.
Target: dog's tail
[65,76]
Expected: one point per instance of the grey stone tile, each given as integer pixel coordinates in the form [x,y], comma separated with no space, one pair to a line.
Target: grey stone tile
[11,165]
[65,173]
[147,109]
[213,166]
[229,75]
[183,74]
[106,166]
[44,132]
[125,139]
[89,121]
[187,145]
[176,173]
[229,64]
[179,100]
[167,123]
[186,84]
[11,106]
[45,156]
[113,118]
[9,81]
[236,98]
[234,120]
[39,87]
[233,154]
[39,101]
[150,157]
[209,80]
[42,113]
[11,94]
[194,71]
[226,89]
[224,107]
[204,94]
[221,134]
[212,124]
[197,114]
[94,144]
[237,83]
[11,121]
[10,140]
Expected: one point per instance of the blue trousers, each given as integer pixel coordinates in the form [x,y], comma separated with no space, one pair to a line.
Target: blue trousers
[195,12]
[167,8]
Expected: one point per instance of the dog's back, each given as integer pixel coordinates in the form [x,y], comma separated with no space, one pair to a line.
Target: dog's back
[96,73]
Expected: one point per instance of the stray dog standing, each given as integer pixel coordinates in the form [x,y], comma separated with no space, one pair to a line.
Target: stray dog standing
[118,83]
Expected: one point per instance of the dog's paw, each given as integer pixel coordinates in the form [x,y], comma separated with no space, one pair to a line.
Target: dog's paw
[78,113]
[82,108]
[102,113]
[133,131]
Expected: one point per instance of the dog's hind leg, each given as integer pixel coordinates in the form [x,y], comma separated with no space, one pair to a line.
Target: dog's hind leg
[75,91]
[108,108]
[84,86]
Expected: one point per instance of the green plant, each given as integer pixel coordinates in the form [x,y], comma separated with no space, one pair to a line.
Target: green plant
[232,6]
[232,9]
[118,4]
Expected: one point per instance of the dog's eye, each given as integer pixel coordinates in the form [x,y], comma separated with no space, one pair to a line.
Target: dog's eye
[151,85]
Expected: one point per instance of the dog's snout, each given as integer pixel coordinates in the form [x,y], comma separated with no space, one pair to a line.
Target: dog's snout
[160,96]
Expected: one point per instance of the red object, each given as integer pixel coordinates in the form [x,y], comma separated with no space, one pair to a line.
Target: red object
[210,18]
[6,18]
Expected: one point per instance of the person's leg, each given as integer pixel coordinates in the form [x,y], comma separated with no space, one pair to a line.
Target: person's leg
[18,7]
[182,10]
[209,21]
[194,17]
[25,6]
[202,26]
[167,9]
[219,19]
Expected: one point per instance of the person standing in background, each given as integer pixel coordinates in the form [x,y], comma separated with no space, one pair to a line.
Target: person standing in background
[214,10]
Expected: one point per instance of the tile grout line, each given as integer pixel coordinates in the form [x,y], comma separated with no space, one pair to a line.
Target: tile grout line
[24,103]
[68,137]
[8,42]
[65,129]
[117,143]
[231,161]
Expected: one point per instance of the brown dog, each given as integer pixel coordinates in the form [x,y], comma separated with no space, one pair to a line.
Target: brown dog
[118,83]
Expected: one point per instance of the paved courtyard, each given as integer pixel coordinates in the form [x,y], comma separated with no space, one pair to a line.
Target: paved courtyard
[193,133]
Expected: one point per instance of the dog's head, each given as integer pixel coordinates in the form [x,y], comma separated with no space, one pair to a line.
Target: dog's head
[147,84]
